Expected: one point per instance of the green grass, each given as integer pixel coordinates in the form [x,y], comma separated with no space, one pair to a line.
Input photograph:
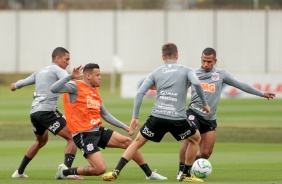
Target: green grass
[232,163]
[247,150]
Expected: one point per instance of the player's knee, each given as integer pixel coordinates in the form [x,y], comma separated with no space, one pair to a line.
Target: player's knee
[100,170]
[195,139]
[206,154]
[95,170]
[126,142]
[41,144]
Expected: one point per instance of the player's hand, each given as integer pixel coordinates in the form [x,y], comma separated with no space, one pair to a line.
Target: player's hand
[207,109]
[129,130]
[12,87]
[269,95]
[134,123]
[76,72]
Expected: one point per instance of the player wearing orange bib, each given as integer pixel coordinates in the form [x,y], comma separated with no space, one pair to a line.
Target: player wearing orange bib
[84,112]
[79,112]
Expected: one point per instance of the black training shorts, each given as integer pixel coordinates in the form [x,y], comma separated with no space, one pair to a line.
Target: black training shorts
[155,128]
[89,142]
[54,121]
[202,124]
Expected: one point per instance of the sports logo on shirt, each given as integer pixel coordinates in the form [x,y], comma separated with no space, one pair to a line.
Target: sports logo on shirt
[208,87]
[215,76]
[95,121]
[93,104]
[167,70]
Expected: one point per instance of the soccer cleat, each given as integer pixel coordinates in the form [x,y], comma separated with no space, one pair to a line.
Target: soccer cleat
[110,176]
[156,176]
[192,178]
[59,174]
[74,177]
[179,175]
[17,175]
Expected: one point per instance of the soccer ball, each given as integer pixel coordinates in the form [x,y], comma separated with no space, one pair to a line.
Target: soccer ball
[201,168]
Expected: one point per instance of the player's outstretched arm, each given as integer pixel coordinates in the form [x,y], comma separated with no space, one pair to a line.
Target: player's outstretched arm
[269,95]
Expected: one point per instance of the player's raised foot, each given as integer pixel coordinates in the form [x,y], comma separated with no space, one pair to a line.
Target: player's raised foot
[110,176]
[59,174]
[191,178]
[17,175]
[74,177]
[156,176]
[179,175]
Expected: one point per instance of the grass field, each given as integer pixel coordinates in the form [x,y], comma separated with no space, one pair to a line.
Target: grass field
[232,163]
[248,148]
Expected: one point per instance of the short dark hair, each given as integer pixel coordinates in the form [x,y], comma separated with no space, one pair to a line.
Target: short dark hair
[209,51]
[169,49]
[59,51]
[89,67]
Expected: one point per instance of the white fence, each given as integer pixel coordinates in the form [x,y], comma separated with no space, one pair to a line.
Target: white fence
[247,41]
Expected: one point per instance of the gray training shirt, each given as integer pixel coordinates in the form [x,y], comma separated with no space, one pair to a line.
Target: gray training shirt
[212,83]
[172,81]
[43,98]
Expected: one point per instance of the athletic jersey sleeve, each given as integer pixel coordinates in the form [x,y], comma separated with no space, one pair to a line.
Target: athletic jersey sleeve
[143,89]
[61,73]
[25,82]
[230,80]
[64,86]
[110,118]
[197,85]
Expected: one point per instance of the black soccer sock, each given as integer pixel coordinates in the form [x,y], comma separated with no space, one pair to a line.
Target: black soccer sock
[181,166]
[69,159]
[70,171]
[23,165]
[187,169]
[146,169]
[122,162]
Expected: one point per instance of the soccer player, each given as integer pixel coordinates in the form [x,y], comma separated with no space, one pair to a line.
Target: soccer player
[212,80]
[43,113]
[84,112]
[168,115]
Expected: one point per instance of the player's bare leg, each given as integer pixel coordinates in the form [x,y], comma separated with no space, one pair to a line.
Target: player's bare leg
[206,145]
[206,149]
[190,157]
[120,141]
[70,147]
[70,152]
[132,152]
[40,142]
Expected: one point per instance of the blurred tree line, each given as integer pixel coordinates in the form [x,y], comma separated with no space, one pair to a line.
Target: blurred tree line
[137,4]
